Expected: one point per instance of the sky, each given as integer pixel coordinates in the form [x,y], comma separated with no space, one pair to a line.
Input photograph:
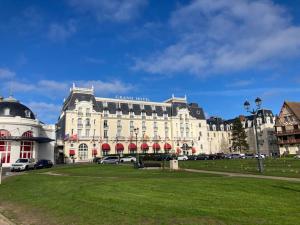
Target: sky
[219,53]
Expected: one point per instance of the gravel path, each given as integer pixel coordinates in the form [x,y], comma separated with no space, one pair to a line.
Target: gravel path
[244,175]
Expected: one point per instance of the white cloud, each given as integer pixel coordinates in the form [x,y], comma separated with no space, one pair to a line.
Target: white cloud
[240,83]
[44,111]
[107,88]
[222,36]
[109,10]
[60,32]
[6,73]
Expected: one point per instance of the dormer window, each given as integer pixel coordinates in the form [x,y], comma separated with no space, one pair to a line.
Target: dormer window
[105,104]
[7,111]
[27,113]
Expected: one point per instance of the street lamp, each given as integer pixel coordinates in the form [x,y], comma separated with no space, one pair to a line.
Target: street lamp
[136,131]
[254,112]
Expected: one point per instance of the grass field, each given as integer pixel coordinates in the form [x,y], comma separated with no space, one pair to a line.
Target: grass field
[284,167]
[104,194]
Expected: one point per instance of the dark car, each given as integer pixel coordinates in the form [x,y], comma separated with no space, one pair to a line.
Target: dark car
[43,163]
[192,157]
[96,159]
[212,157]
[249,156]
[202,157]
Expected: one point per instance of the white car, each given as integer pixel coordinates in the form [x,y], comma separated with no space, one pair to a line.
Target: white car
[261,156]
[22,164]
[182,158]
[128,159]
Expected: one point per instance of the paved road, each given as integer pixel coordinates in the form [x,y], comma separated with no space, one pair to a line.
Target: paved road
[244,175]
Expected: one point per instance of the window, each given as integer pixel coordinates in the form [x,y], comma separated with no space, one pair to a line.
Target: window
[87,132]
[88,112]
[105,134]
[199,125]
[27,113]
[79,132]
[131,124]
[105,124]
[6,111]
[105,113]
[5,147]
[26,151]
[119,126]
[83,151]
[87,122]
[79,123]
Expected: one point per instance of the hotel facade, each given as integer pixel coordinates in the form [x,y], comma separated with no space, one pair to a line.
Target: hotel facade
[91,126]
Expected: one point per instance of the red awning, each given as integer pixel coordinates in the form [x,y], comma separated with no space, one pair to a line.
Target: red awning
[132,146]
[144,146]
[119,147]
[193,150]
[167,146]
[156,146]
[72,152]
[94,151]
[105,147]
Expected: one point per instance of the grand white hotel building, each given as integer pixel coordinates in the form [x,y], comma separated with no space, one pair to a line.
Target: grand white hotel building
[90,126]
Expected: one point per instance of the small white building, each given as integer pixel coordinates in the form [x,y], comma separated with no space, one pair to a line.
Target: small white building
[22,135]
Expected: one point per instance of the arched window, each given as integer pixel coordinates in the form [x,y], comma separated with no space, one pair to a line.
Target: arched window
[83,151]
[5,147]
[26,148]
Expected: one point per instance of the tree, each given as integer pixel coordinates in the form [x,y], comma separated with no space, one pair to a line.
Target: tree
[239,142]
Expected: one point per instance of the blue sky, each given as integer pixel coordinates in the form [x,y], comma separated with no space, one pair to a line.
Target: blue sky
[218,52]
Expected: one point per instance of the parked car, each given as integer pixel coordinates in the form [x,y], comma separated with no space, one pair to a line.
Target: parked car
[192,157]
[228,156]
[249,156]
[22,164]
[235,156]
[220,156]
[202,157]
[128,159]
[96,159]
[212,157]
[182,158]
[297,156]
[110,160]
[262,156]
[43,163]
[242,156]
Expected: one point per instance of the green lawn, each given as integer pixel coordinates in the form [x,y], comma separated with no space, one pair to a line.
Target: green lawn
[104,194]
[284,167]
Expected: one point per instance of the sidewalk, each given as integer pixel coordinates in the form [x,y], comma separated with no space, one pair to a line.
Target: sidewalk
[5,221]
[243,175]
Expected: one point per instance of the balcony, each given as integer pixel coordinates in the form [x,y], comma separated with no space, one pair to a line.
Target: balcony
[88,125]
[106,127]
[88,114]
[291,141]
[287,132]
[80,125]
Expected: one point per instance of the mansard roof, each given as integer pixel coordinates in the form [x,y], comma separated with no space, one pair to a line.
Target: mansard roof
[112,105]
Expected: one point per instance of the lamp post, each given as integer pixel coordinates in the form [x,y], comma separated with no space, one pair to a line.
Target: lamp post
[136,131]
[254,112]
